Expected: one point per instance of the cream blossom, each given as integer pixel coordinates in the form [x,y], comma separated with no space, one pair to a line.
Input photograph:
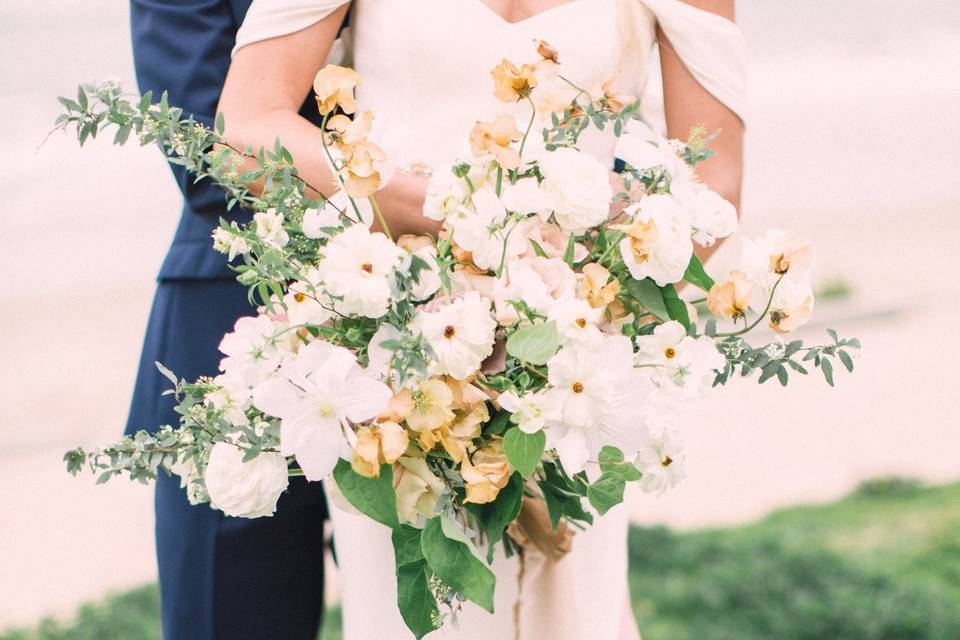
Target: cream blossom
[269,227]
[596,286]
[496,139]
[526,196]
[731,298]
[512,84]
[713,217]
[461,334]
[356,267]
[485,473]
[334,86]
[538,282]
[678,362]
[230,242]
[250,349]
[318,393]
[791,306]
[487,233]
[661,462]
[530,412]
[552,242]
[596,391]
[377,445]
[418,490]
[778,253]
[446,193]
[577,320]
[580,188]
[658,243]
[245,489]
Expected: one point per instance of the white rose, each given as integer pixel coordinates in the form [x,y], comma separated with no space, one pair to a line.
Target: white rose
[658,244]
[245,489]
[580,188]
[527,196]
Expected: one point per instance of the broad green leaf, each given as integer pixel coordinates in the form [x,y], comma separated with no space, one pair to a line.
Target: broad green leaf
[846,360]
[494,517]
[498,424]
[166,373]
[827,367]
[406,544]
[648,294]
[612,461]
[697,275]
[676,308]
[606,492]
[453,558]
[373,497]
[534,344]
[418,608]
[524,450]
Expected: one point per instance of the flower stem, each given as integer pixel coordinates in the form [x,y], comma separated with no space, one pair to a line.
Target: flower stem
[759,319]
[380,218]
[533,114]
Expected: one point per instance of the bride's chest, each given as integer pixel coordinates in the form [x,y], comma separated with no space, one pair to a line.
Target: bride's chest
[452,41]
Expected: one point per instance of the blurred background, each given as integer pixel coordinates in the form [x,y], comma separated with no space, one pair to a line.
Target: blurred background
[853,140]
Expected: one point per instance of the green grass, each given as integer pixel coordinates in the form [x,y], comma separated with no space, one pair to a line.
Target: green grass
[881,564]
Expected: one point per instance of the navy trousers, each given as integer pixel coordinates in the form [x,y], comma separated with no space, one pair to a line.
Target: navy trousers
[220,577]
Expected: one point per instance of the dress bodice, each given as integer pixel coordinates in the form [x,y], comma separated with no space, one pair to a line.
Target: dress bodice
[426,64]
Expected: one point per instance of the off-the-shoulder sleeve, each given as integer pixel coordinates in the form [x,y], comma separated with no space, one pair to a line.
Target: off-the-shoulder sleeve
[273,18]
[710,46]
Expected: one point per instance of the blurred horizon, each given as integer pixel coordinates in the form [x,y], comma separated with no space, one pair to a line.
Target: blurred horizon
[851,140]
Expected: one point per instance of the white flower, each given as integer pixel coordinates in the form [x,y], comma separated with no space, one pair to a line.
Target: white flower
[318,393]
[191,480]
[778,253]
[249,349]
[487,233]
[527,196]
[329,215]
[229,242]
[356,267]
[245,489]
[379,357]
[658,243]
[577,320]
[679,362]
[461,334]
[598,395]
[580,188]
[269,226]
[429,282]
[231,401]
[529,412]
[713,217]
[791,307]
[446,193]
[645,150]
[661,461]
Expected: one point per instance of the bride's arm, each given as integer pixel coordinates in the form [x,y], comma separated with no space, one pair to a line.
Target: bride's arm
[265,87]
[688,104]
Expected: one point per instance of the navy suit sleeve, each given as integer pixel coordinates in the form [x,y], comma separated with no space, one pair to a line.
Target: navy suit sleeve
[183,47]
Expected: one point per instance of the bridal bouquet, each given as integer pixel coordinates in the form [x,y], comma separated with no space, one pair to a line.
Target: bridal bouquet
[535,354]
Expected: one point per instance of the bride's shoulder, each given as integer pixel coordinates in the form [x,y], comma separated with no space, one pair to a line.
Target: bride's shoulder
[273,18]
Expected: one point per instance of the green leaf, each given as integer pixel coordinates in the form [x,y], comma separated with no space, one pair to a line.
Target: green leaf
[373,497]
[696,275]
[676,308]
[418,608]
[827,367]
[534,344]
[606,492]
[453,558]
[219,124]
[568,253]
[648,294]
[524,450]
[537,249]
[166,373]
[846,360]
[406,544]
[612,461]
[498,425]
[494,517]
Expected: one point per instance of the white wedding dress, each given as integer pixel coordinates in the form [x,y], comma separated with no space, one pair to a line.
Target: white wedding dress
[426,67]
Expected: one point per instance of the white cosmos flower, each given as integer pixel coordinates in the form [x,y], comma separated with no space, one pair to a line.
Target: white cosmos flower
[318,392]
[461,334]
[245,489]
[598,396]
[679,362]
[579,186]
[302,301]
[661,461]
[446,194]
[529,412]
[662,250]
[269,226]
[577,320]
[356,267]
[486,232]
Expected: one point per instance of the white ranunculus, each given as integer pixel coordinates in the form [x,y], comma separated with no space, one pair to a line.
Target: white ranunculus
[597,394]
[680,363]
[429,278]
[529,412]
[245,489]
[713,217]
[317,393]
[538,282]
[577,320]
[661,461]
[486,232]
[580,188]
[664,253]
[446,194]
[269,226]
[461,334]
[356,267]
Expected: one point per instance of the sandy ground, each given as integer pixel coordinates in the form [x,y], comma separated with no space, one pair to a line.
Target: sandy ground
[846,143]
